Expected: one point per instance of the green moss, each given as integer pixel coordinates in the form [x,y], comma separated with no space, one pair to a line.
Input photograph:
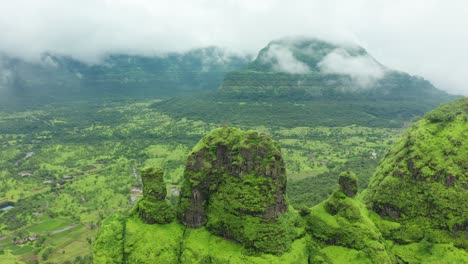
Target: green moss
[154,208]
[174,243]
[338,254]
[235,184]
[151,212]
[422,181]
[154,188]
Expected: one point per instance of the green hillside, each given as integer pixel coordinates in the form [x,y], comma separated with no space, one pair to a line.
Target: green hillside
[422,182]
[383,224]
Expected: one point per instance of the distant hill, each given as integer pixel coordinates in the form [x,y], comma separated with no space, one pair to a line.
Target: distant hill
[297,68]
[296,81]
[57,78]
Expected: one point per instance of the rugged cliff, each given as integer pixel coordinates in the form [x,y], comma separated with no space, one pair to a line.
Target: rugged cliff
[235,184]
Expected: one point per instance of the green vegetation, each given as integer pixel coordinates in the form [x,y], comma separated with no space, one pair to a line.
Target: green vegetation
[174,243]
[235,183]
[71,168]
[58,78]
[422,179]
[154,208]
[340,228]
[111,239]
[274,112]
[343,221]
[100,145]
[348,183]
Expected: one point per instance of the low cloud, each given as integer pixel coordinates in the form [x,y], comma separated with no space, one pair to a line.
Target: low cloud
[5,76]
[363,70]
[283,60]
[427,38]
[217,57]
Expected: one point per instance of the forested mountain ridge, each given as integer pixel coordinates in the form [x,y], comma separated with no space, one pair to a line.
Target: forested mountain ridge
[60,78]
[301,68]
[316,82]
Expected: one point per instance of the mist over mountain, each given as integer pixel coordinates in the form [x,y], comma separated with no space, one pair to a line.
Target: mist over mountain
[60,78]
[317,82]
[291,68]
[308,68]
[421,37]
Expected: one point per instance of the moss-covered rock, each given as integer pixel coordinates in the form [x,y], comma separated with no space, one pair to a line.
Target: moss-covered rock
[422,182]
[154,187]
[154,208]
[235,184]
[348,183]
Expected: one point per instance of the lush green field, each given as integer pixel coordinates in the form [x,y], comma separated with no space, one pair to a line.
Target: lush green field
[74,164]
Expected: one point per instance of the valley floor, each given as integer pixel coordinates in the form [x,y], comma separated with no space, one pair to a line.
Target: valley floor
[67,167]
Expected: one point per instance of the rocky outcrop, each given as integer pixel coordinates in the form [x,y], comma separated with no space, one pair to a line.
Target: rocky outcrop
[154,208]
[348,183]
[233,179]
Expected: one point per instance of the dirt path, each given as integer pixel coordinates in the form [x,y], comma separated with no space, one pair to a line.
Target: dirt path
[62,229]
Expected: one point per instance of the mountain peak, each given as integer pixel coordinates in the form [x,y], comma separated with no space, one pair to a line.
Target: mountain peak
[302,68]
[299,55]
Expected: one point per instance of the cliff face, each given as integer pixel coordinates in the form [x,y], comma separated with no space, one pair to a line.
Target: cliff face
[423,181]
[234,178]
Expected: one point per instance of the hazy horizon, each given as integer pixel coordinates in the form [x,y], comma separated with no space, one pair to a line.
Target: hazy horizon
[425,38]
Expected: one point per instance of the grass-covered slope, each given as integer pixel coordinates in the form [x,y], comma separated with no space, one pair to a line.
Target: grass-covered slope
[234,189]
[414,210]
[176,243]
[341,228]
[422,182]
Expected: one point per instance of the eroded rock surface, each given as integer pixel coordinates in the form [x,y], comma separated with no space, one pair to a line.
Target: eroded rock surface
[234,179]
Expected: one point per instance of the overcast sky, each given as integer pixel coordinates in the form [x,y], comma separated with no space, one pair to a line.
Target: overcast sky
[424,37]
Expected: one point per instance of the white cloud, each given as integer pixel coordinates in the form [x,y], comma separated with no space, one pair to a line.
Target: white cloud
[363,70]
[424,37]
[284,61]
